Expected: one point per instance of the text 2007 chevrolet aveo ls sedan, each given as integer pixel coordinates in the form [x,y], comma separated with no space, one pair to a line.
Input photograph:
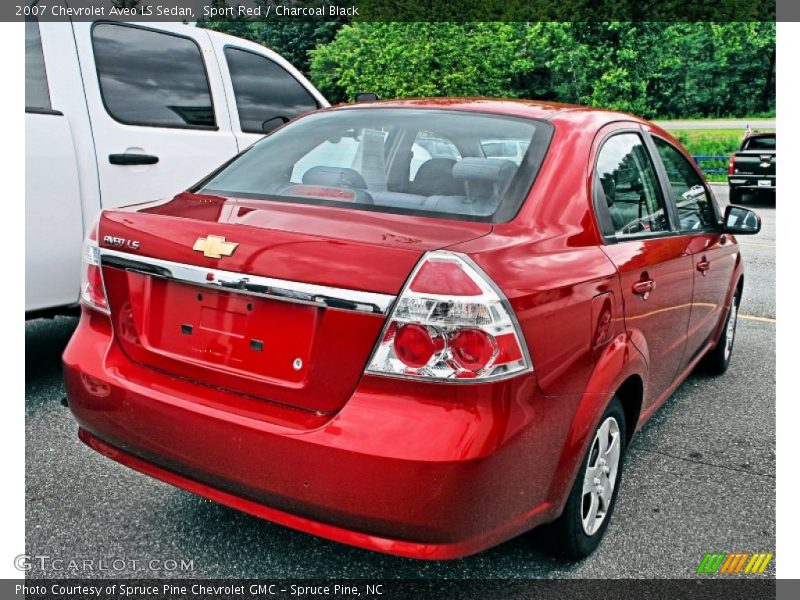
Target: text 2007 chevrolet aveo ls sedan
[420,327]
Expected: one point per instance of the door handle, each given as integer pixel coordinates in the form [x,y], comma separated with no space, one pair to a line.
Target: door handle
[703,266]
[643,288]
[132,159]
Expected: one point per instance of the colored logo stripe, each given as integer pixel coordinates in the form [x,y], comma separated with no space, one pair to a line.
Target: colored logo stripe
[734,562]
[758,564]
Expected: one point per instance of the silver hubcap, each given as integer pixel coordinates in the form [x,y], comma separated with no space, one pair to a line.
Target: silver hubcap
[600,475]
[730,331]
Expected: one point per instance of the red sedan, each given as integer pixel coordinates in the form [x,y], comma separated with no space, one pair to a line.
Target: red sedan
[419,327]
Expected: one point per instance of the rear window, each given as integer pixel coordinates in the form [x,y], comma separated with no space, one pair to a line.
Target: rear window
[760,143]
[405,161]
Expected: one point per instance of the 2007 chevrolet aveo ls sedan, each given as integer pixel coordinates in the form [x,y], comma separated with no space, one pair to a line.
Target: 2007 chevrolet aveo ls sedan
[420,327]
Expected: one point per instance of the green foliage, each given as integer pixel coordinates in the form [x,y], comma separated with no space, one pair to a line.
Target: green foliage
[422,59]
[720,142]
[658,69]
[653,69]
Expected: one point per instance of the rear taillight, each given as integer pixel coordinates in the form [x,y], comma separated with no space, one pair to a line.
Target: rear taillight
[730,165]
[93,290]
[450,323]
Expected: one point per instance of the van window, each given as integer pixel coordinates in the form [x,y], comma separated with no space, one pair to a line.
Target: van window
[266,94]
[152,78]
[37,94]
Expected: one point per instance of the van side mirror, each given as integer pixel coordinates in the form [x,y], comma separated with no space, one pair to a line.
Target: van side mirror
[741,220]
[273,123]
[367,97]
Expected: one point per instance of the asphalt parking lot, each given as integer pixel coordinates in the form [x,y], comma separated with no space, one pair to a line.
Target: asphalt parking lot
[700,477]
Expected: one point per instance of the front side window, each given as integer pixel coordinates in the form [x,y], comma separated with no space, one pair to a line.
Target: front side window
[630,187]
[152,78]
[363,158]
[37,94]
[266,94]
[688,192]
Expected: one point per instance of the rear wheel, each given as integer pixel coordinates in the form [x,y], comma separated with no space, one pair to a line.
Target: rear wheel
[735,196]
[717,360]
[580,528]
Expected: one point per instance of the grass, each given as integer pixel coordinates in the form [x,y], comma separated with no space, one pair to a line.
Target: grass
[711,142]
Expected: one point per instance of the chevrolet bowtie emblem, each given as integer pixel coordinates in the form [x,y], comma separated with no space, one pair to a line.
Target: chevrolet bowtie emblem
[214,246]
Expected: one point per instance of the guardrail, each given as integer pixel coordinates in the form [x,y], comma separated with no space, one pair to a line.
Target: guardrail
[710,163]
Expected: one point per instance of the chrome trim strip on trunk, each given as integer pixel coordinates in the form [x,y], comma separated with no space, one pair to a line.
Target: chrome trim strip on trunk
[254,285]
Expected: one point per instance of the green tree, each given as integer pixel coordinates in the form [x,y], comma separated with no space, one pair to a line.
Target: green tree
[397,60]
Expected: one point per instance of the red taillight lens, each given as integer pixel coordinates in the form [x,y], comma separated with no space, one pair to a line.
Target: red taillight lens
[93,291]
[730,165]
[414,345]
[450,323]
[472,348]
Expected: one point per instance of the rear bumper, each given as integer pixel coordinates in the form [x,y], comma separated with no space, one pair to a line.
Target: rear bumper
[400,469]
[751,182]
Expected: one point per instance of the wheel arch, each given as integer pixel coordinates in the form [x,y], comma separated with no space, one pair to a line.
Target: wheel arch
[621,373]
[631,395]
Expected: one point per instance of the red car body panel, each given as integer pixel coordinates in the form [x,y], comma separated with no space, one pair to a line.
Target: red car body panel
[427,470]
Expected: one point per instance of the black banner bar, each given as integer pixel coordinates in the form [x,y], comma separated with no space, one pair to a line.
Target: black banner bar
[403,10]
[702,588]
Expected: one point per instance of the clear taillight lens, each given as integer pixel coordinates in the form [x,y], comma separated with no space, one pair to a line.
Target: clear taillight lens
[93,290]
[450,323]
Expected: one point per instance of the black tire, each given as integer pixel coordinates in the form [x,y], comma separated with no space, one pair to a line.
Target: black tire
[719,357]
[734,196]
[566,537]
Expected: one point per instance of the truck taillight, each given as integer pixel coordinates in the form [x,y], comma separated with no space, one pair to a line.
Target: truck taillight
[93,290]
[730,165]
[450,323]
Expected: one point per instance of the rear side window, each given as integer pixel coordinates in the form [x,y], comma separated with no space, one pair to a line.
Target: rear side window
[391,160]
[629,187]
[760,143]
[37,94]
[152,78]
[266,94]
[688,191]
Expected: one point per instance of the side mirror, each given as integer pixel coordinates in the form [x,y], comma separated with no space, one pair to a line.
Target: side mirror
[367,97]
[273,123]
[740,220]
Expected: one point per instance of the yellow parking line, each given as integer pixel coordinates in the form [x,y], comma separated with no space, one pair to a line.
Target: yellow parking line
[755,318]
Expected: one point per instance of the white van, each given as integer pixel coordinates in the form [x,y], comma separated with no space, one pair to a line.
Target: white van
[123,113]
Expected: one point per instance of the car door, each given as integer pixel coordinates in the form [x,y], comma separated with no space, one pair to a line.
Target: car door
[654,265]
[157,107]
[264,89]
[53,215]
[714,254]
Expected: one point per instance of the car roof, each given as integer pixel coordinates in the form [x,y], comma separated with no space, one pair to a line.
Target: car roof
[532,109]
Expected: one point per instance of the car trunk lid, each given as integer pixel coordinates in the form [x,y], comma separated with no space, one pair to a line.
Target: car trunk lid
[283,302]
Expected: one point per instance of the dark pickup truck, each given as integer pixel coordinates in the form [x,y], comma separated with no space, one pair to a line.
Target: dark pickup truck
[752,169]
